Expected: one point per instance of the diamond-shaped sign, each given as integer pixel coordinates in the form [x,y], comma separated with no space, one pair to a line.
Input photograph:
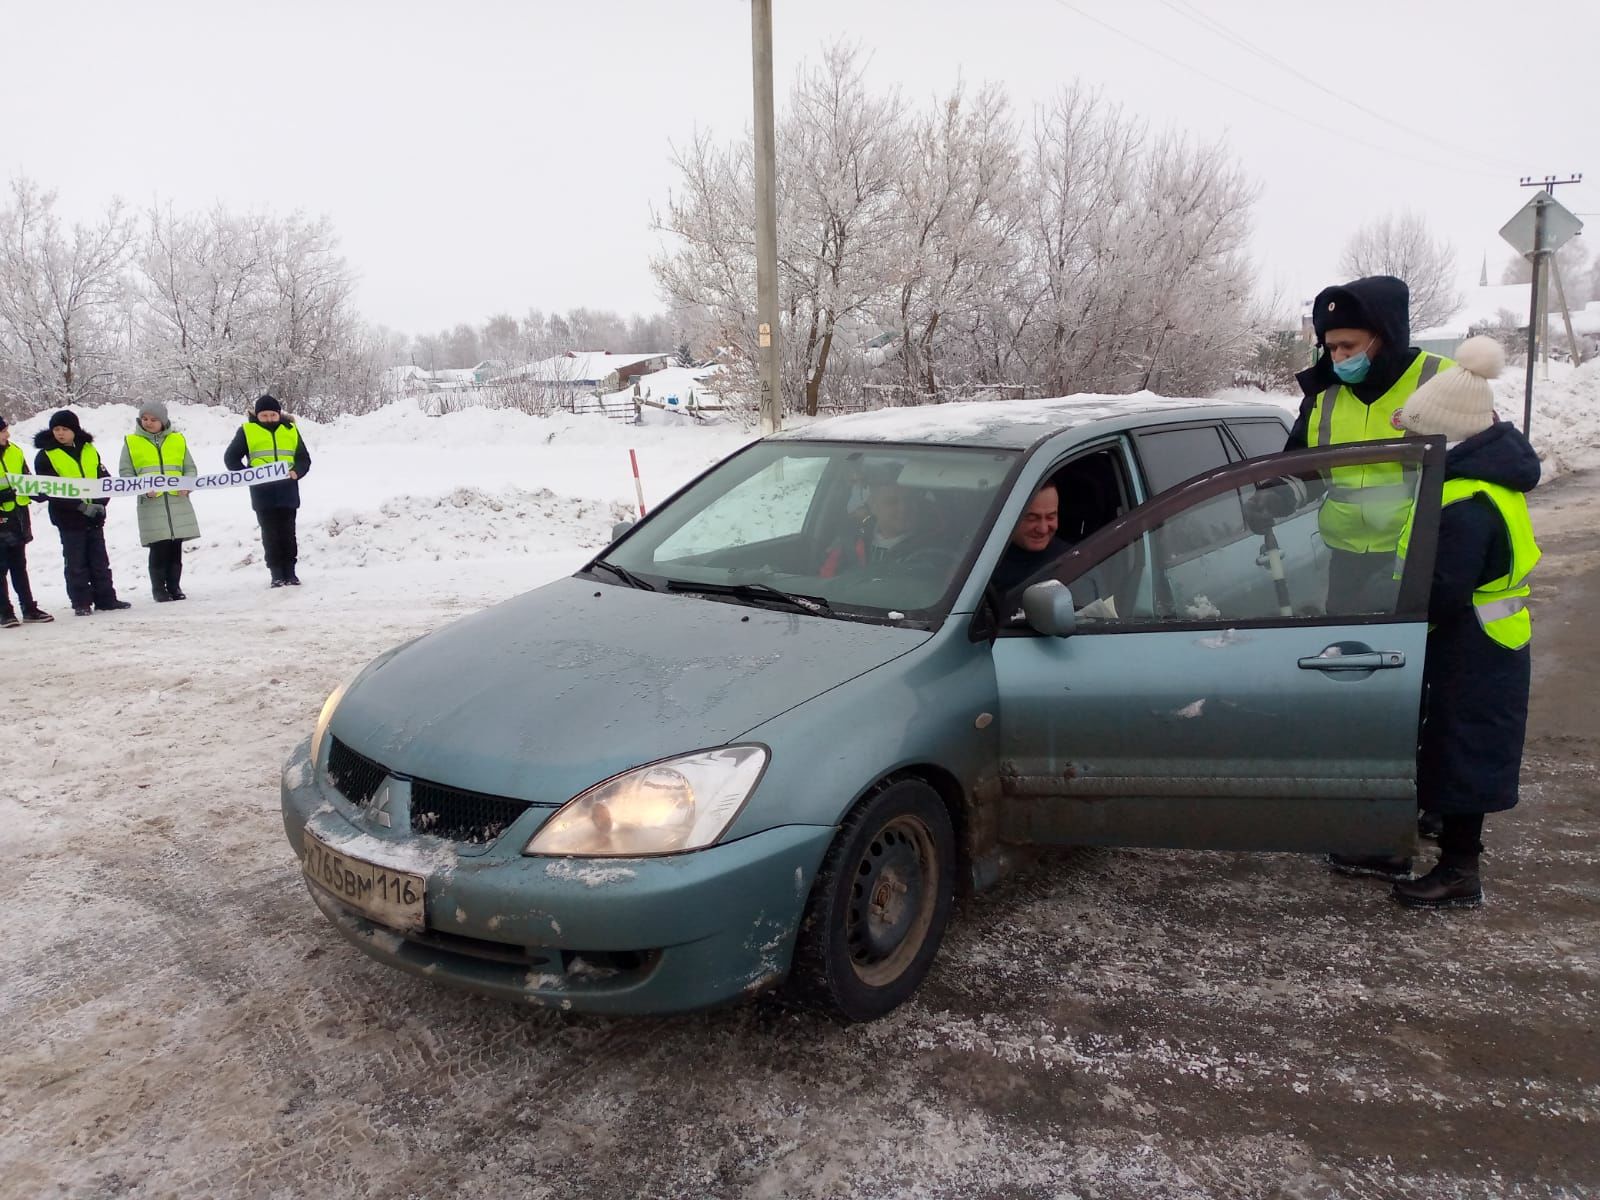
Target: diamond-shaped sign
[1560,226]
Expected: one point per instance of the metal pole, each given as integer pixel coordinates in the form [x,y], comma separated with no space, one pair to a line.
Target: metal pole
[1566,313]
[766,165]
[1533,316]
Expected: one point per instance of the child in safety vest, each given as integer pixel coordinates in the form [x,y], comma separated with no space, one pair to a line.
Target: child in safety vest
[1476,676]
[166,519]
[67,451]
[16,531]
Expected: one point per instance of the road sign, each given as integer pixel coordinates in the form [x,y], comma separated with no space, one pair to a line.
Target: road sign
[1556,230]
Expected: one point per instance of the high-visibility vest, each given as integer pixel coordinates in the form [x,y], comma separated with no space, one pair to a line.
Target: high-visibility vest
[1501,604]
[270,445]
[85,466]
[150,459]
[1366,506]
[13,463]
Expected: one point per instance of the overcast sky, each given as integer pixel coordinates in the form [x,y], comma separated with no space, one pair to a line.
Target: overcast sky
[494,155]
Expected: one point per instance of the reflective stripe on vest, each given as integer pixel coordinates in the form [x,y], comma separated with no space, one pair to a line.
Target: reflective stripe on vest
[13,463]
[1501,605]
[150,459]
[1366,506]
[264,444]
[85,466]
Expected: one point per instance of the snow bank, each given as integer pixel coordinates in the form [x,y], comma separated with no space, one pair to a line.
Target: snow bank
[1566,414]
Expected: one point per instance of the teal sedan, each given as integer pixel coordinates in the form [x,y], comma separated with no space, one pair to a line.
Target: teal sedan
[854,671]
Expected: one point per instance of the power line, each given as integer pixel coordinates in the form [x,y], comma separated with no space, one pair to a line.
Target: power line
[1211,24]
[1278,108]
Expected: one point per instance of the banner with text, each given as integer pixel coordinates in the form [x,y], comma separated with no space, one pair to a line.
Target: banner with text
[50,487]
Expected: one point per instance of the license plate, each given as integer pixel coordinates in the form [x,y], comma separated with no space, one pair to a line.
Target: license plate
[389,897]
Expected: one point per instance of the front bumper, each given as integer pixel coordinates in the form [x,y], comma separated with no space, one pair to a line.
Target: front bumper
[626,936]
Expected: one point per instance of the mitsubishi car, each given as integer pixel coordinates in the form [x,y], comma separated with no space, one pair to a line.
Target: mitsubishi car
[778,727]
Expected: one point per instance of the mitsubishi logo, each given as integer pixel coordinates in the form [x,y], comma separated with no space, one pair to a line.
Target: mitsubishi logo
[380,807]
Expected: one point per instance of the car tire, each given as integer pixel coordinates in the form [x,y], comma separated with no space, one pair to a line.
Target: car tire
[878,907]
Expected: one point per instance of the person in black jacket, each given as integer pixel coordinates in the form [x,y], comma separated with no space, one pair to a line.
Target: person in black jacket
[66,450]
[1476,676]
[269,435]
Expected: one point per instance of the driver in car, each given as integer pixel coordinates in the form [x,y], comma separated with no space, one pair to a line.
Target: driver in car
[1036,543]
[894,530]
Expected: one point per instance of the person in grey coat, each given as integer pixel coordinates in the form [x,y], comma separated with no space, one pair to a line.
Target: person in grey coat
[166,519]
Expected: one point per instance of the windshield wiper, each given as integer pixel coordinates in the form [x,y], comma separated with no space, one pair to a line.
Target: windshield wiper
[753,591]
[622,573]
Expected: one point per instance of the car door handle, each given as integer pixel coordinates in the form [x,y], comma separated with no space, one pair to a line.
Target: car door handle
[1370,660]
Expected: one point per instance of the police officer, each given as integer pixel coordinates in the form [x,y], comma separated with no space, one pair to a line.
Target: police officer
[270,436]
[1354,393]
[16,531]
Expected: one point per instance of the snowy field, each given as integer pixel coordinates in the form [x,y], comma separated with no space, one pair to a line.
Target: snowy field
[176,1019]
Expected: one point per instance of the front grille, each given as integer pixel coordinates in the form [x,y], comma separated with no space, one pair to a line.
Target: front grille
[461,816]
[357,777]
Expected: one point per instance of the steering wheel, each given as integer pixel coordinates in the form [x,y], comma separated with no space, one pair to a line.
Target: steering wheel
[929,559]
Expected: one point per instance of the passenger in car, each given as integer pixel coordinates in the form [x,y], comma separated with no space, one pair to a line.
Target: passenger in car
[1036,543]
[896,527]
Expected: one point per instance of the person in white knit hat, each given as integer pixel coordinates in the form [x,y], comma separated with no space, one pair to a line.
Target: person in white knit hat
[1478,662]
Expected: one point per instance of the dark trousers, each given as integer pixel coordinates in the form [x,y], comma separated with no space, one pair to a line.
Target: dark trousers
[86,567]
[277,539]
[166,566]
[1361,583]
[1461,834]
[14,566]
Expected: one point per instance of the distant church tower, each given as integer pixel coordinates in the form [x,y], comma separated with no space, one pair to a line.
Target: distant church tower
[1483,277]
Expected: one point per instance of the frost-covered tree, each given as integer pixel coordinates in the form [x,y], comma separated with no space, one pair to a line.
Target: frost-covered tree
[235,305]
[63,310]
[948,253]
[1400,245]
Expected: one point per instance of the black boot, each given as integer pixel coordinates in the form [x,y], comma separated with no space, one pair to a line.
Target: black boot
[1378,866]
[175,573]
[8,618]
[158,585]
[1453,883]
[1429,825]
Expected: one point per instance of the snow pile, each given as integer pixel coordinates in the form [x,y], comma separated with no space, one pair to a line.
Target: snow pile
[1566,414]
[466,523]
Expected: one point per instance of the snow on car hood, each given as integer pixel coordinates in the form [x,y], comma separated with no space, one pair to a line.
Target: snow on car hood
[549,693]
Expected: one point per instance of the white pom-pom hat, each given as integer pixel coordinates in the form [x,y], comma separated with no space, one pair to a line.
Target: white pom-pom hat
[1458,402]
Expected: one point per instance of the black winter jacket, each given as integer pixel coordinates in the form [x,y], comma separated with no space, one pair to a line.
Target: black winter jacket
[283,493]
[1476,690]
[68,514]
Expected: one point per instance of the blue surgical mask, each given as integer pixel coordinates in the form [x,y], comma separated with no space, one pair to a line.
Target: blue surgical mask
[1353,369]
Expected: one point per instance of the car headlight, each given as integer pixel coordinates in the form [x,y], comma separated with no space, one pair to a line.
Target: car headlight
[320,731]
[676,804]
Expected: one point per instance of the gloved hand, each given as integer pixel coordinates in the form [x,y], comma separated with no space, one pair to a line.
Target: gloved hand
[1265,506]
[91,511]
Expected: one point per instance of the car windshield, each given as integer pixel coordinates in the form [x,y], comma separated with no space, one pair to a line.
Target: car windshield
[832,529]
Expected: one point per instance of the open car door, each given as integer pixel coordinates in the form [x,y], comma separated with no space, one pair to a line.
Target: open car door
[1222,704]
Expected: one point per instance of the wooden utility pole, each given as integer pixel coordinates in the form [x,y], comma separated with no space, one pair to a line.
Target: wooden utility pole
[766,166]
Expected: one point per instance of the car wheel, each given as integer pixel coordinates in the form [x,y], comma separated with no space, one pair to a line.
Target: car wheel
[879,905]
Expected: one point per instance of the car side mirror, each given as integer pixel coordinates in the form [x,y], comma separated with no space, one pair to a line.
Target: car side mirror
[620,528]
[1048,608]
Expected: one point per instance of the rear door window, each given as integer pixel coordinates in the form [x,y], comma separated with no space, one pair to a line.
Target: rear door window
[1169,456]
[1256,438]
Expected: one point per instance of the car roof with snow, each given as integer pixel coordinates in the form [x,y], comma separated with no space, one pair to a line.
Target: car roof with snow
[1011,424]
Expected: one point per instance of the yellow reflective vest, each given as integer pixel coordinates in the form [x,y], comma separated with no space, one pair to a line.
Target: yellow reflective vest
[12,462]
[267,446]
[85,466]
[150,459]
[1366,507]
[1501,604]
